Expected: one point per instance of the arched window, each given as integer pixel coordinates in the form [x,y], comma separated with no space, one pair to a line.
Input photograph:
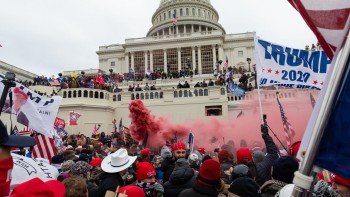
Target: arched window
[199,12]
[193,12]
[101,95]
[201,92]
[222,91]
[187,11]
[169,14]
[175,94]
[181,12]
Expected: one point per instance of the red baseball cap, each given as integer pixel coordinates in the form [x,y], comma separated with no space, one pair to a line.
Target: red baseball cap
[95,162]
[201,150]
[37,188]
[145,152]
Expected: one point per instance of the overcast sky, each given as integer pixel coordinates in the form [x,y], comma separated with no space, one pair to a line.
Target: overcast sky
[48,37]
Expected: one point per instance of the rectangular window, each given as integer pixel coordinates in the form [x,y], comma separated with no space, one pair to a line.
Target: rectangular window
[158,60]
[112,63]
[172,60]
[207,59]
[240,53]
[186,58]
[215,110]
[139,63]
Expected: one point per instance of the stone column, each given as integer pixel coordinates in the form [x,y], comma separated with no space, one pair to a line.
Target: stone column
[126,63]
[177,29]
[200,28]
[163,33]
[214,57]
[132,61]
[199,60]
[185,30]
[151,60]
[157,34]
[146,60]
[165,61]
[222,56]
[170,32]
[178,59]
[192,29]
[193,59]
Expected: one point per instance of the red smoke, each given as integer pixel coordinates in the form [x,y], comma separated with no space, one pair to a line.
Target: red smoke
[211,132]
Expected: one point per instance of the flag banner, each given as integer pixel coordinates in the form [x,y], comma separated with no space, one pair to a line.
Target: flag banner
[287,127]
[26,131]
[100,80]
[285,66]
[234,89]
[226,63]
[333,153]
[313,101]
[175,18]
[59,122]
[240,114]
[95,130]
[61,132]
[73,118]
[31,109]
[329,20]
[44,148]
[25,168]
[14,131]
[190,141]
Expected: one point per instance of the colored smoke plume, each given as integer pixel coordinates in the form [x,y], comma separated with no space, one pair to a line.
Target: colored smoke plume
[211,133]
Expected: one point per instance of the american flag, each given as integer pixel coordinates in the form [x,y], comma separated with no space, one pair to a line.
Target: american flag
[175,18]
[44,148]
[287,127]
[313,101]
[329,20]
[14,131]
[25,131]
[226,63]
[94,130]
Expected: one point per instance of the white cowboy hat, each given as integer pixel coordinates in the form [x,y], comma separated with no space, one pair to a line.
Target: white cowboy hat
[117,161]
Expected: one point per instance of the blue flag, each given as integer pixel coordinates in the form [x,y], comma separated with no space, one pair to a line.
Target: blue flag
[333,152]
[234,89]
[190,141]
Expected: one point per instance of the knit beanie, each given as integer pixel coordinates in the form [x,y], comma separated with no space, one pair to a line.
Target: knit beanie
[67,165]
[144,170]
[95,162]
[244,155]
[132,191]
[145,152]
[81,168]
[245,186]
[178,146]
[283,169]
[258,156]
[223,156]
[209,172]
[181,163]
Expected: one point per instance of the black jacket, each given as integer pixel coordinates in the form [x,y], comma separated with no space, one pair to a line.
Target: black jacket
[263,168]
[109,182]
[167,167]
[199,190]
[180,179]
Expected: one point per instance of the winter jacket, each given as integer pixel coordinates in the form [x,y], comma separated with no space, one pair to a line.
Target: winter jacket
[167,167]
[109,182]
[226,169]
[263,168]
[180,179]
[270,188]
[199,190]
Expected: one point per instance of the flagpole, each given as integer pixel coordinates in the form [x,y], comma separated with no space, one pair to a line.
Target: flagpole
[256,73]
[302,178]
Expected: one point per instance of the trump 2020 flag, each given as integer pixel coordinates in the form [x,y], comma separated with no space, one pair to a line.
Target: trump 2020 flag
[328,19]
[234,89]
[333,153]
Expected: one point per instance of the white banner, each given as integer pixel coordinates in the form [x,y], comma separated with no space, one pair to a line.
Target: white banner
[285,66]
[32,110]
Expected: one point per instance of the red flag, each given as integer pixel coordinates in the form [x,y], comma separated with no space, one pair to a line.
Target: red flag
[95,130]
[100,80]
[329,20]
[44,148]
[73,118]
[59,122]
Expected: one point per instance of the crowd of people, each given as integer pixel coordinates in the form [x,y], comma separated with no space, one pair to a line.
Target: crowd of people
[117,165]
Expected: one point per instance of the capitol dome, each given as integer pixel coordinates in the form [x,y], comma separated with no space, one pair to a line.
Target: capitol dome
[192,15]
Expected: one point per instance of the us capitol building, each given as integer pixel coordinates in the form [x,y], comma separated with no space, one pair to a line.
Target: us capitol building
[197,42]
